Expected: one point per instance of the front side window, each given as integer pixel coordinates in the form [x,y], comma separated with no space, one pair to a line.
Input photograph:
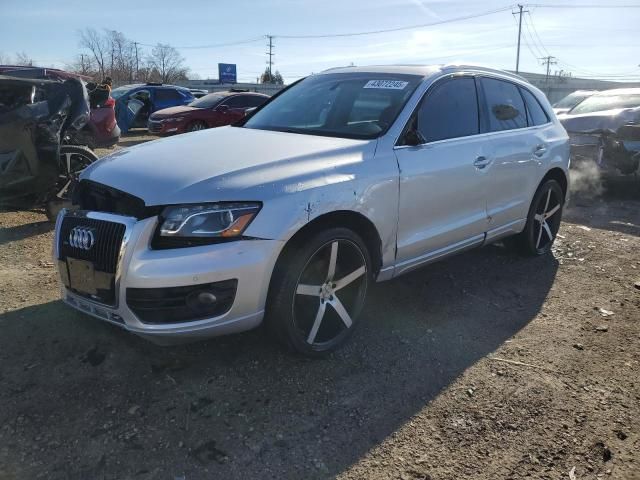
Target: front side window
[504,105]
[535,113]
[449,111]
[349,105]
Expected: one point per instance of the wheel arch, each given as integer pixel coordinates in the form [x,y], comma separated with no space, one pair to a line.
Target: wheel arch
[350,219]
[558,175]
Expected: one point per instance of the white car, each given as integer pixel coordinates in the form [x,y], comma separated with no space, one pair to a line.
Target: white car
[351,176]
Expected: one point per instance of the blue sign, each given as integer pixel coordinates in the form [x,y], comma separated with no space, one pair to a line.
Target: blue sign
[227,73]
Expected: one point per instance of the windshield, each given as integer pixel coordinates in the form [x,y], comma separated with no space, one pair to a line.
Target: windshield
[347,105]
[118,92]
[598,103]
[207,101]
[571,100]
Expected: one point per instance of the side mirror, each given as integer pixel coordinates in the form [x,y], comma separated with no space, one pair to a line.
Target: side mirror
[222,108]
[413,138]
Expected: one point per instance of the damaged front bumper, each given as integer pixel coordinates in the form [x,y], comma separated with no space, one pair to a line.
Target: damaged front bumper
[615,152]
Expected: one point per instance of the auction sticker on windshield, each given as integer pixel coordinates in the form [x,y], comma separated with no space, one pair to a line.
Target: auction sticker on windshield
[390,84]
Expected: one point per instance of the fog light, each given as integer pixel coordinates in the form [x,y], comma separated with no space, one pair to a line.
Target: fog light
[201,300]
[207,298]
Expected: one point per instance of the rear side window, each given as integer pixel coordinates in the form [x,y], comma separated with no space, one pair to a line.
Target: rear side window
[504,105]
[254,101]
[167,94]
[449,111]
[535,113]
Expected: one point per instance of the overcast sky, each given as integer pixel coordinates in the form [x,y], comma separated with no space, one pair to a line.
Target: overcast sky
[588,42]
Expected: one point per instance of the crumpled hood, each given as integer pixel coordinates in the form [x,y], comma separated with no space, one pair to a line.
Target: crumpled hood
[172,111]
[605,120]
[228,164]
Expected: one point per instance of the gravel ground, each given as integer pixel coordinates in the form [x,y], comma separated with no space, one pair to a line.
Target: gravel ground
[483,366]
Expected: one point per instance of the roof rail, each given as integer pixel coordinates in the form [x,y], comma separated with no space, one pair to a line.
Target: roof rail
[154,84]
[483,68]
[238,90]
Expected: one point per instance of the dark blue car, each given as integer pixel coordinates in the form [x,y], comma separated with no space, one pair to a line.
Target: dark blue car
[135,103]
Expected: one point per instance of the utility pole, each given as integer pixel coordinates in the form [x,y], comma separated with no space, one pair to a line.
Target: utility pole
[271,54]
[520,12]
[135,45]
[548,61]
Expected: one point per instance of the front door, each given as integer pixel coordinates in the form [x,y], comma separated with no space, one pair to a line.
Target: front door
[443,178]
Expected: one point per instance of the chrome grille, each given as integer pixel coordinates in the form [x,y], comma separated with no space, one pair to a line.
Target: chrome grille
[106,250]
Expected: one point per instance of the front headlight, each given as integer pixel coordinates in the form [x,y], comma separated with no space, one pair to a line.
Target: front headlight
[189,225]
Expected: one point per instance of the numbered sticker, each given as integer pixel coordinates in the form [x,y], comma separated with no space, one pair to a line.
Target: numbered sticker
[388,84]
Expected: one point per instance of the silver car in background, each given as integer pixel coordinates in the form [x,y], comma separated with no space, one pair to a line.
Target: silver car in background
[572,100]
[347,177]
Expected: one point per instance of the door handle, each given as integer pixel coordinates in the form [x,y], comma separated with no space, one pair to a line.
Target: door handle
[481,162]
[540,150]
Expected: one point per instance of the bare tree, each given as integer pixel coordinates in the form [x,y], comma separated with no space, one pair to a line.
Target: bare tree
[83,64]
[5,59]
[167,62]
[95,43]
[23,59]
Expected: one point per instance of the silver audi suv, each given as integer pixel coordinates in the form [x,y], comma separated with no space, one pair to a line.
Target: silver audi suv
[347,177]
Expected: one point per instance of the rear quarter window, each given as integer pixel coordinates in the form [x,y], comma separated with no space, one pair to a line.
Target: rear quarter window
[503,104]
[535,113]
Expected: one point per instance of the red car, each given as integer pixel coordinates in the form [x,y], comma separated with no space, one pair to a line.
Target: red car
[213,110]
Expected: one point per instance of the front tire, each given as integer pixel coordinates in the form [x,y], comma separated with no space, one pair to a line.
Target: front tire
[196,126]
[543,221]
[318,291]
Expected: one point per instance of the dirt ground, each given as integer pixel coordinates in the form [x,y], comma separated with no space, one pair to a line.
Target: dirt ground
[483,366]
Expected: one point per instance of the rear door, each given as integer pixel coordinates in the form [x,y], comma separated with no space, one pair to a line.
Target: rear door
[442,180]
[167,97]
[515,160]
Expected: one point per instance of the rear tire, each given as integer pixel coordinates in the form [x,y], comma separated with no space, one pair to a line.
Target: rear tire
[543,221]
[318,290]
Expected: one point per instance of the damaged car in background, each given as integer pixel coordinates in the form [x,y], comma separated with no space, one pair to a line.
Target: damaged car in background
[101,129]
[40,158]
[605,129]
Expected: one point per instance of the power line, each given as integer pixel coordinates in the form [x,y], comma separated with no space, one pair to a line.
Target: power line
[546,5]
[216,45]
[398,29]
[533,27]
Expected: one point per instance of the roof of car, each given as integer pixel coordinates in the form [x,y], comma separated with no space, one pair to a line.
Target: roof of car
[618,91]
[425,70]
[152,85]
[228,93]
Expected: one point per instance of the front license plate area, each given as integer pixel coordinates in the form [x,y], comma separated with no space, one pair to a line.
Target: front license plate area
[81,276]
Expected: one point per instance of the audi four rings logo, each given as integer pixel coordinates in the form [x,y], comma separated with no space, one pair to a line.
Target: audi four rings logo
[82,237]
